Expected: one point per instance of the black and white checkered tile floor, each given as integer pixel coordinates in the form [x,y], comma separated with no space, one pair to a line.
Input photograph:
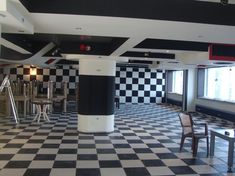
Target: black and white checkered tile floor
[145,142]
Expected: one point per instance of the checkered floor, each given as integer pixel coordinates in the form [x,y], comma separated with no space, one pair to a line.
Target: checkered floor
[145,142]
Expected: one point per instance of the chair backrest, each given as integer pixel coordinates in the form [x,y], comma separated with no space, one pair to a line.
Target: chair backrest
[186,123]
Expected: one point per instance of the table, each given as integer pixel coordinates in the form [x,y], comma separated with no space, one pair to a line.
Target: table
[230,138]
[42,107]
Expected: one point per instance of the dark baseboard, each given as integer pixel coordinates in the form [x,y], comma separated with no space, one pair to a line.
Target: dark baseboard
[174,102]
[215,112]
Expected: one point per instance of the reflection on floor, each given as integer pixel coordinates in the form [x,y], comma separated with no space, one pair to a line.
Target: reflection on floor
[145,142]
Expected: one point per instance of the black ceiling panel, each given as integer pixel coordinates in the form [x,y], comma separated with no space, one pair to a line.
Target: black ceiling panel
[10,54]
[68,44]
[173,10]
[149,55]
[67,62]
[173,45]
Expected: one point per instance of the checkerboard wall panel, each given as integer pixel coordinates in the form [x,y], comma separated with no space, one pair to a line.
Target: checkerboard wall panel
[133,85]
[57,75]
[140,85]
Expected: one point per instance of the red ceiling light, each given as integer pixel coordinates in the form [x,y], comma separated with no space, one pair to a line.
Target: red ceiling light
[84,47]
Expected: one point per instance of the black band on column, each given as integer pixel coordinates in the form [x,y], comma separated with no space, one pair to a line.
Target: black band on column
[96,95]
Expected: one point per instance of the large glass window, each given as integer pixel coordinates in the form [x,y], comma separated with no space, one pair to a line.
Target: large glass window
[177,82]
[220,83]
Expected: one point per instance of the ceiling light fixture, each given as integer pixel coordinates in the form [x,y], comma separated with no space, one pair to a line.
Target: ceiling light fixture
[200,36]
[78,28]
[167,51]
[2,15]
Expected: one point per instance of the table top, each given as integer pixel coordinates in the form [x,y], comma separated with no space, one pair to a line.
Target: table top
[41,102]
[221,133]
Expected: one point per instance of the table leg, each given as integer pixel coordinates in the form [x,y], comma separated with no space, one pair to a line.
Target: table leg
[37,113]
[212,143]
[230,155]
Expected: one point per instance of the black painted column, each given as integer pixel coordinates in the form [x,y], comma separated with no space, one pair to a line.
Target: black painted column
[96,95]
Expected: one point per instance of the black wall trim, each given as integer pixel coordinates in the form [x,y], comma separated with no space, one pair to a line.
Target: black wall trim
[96,95]
[215,112]
[174,102]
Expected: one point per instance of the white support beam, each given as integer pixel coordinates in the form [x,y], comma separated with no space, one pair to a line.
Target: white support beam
[14,19]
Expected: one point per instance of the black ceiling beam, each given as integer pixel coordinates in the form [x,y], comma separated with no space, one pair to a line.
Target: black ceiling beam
[173,45]
[149,55]
[173,10]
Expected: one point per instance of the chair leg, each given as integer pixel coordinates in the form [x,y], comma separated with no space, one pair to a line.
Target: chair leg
[182,142]
[195,146]
[207,146]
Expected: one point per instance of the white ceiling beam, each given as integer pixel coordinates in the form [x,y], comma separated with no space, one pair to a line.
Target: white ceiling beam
[14,18]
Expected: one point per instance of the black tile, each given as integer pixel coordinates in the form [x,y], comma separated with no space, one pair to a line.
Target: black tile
[136,171]
[37,172]
[157,145]
[121,146]
[127,156]
[17,164]
[54,137]
[105,151]
[102,141]
[6,156]
[13,145]
[36,141]
[88,172]
[50,146]
[86,145]
[150,163]
[194,161]
[45,157]
[87,157]
[111,163]
[64,164]
[28,151]
[134,141]
[70,141]
[67,151]
[167,156]
[182,170]
[142,150]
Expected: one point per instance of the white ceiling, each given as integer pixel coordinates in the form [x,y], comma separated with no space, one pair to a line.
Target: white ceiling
[135,29]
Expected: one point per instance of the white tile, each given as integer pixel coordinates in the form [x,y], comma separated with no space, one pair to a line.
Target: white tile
[174,162]
[131,163]
[204,169]
[112,172]
[63,172]
[160,171]
[87,164]
[66,157]
[12,172]
[107,157]
[41,164]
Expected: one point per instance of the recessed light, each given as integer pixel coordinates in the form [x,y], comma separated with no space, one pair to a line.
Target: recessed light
[2,15]
[167,51]
[200,36]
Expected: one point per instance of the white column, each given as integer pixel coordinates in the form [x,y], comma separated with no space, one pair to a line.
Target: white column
[96,95]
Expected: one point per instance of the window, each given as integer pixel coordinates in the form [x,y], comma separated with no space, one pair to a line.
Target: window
[177,82]
[220,83]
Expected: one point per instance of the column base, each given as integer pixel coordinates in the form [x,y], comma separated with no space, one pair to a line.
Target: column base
[95,123]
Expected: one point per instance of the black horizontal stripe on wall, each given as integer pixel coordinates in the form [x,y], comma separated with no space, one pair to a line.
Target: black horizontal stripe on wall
[96,95]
